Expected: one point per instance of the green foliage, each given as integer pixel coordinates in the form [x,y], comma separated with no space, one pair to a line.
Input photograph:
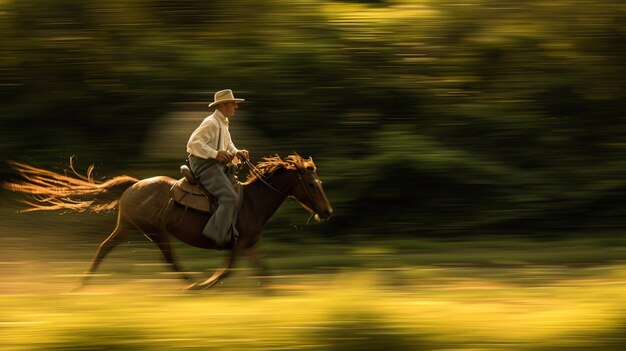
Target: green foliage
[424,116]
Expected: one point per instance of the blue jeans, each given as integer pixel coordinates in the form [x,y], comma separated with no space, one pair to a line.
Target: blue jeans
[219,182]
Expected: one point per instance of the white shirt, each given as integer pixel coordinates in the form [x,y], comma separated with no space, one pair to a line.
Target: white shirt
[204,140]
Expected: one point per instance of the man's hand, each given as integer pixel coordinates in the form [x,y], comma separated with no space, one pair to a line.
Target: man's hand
[243,154]
[223,157]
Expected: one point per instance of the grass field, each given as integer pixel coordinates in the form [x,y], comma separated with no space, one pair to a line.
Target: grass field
[410,308]
[410,294]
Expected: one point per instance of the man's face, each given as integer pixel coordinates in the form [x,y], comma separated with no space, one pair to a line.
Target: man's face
[228,109]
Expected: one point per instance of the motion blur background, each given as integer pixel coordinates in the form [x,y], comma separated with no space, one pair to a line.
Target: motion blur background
[423,116]
[426,118]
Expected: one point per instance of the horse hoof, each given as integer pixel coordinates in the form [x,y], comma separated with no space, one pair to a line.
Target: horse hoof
[194,286]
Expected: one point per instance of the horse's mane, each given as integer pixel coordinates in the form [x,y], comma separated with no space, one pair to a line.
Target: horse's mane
[274,163]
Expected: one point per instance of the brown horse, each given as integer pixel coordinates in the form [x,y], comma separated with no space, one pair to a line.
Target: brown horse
[146,206]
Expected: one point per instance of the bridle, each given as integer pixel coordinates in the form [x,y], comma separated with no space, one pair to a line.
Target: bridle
[260,176]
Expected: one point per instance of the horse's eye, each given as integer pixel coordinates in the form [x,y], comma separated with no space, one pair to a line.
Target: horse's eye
[311,185]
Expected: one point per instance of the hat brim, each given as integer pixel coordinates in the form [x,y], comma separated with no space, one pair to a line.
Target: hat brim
[224,101]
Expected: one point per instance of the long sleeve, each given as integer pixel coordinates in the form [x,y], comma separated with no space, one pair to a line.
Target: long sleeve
[211,136]
[204,140]
[232,149]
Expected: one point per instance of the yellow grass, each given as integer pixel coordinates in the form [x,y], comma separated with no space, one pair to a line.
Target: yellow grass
[416,308]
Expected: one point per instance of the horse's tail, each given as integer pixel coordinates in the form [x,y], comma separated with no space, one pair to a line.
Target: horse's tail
[75,192]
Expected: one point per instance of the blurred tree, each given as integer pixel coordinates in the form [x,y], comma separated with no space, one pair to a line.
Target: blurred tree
[424,117]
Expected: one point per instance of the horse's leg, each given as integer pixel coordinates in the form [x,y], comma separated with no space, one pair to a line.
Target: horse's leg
[163,242]
[256,259]
[221,273]
[119,234]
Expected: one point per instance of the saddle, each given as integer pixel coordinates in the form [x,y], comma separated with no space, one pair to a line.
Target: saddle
[189,193]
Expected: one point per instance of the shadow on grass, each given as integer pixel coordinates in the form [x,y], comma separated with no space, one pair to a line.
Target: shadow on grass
[368,332]
[92,339]
[604,340]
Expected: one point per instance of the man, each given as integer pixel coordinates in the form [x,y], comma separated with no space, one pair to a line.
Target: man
[211,150]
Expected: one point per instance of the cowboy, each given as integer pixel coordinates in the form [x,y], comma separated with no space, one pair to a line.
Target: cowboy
[211,150]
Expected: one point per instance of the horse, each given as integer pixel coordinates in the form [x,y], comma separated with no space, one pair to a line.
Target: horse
[146,206]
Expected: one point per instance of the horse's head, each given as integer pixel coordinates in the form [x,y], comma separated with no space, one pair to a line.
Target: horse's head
[297,179]
[308,190]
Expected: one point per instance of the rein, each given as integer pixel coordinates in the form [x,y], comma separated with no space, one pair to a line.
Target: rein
[259,175]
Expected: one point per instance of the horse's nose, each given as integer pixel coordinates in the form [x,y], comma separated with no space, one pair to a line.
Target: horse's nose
[327,212]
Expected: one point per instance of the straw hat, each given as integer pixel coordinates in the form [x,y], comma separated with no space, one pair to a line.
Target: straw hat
[225,95]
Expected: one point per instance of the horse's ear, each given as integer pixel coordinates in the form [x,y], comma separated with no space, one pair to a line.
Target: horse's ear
[308,164]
